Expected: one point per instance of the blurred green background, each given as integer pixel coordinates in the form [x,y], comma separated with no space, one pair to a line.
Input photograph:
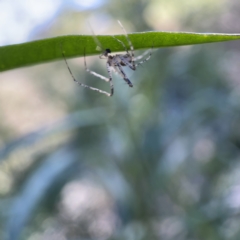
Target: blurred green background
[156,161]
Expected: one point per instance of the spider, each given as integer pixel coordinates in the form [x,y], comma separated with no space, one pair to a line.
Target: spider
[114,63]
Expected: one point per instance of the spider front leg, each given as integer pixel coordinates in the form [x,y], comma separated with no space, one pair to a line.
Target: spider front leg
[97,75]
[110,78]
[102,77]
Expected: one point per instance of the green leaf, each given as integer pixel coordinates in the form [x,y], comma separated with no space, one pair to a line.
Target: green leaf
[25,54]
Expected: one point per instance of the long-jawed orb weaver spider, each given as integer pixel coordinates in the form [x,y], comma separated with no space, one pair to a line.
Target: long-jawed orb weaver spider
[114,63]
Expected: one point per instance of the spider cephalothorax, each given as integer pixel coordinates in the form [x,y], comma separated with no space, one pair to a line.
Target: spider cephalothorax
[105,53]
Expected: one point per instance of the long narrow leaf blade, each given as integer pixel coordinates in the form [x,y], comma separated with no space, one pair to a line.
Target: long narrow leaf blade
[36,52]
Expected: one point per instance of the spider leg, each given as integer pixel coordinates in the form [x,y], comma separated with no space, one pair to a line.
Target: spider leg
[144,60]
[143,55]
[130,65]
[124,46]
[110,78]
[130,45]
[84,85]
[102,77]
[94,73]
[127,63]
[123,74]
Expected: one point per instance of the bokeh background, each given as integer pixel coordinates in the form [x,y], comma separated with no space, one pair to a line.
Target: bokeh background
[156,161]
